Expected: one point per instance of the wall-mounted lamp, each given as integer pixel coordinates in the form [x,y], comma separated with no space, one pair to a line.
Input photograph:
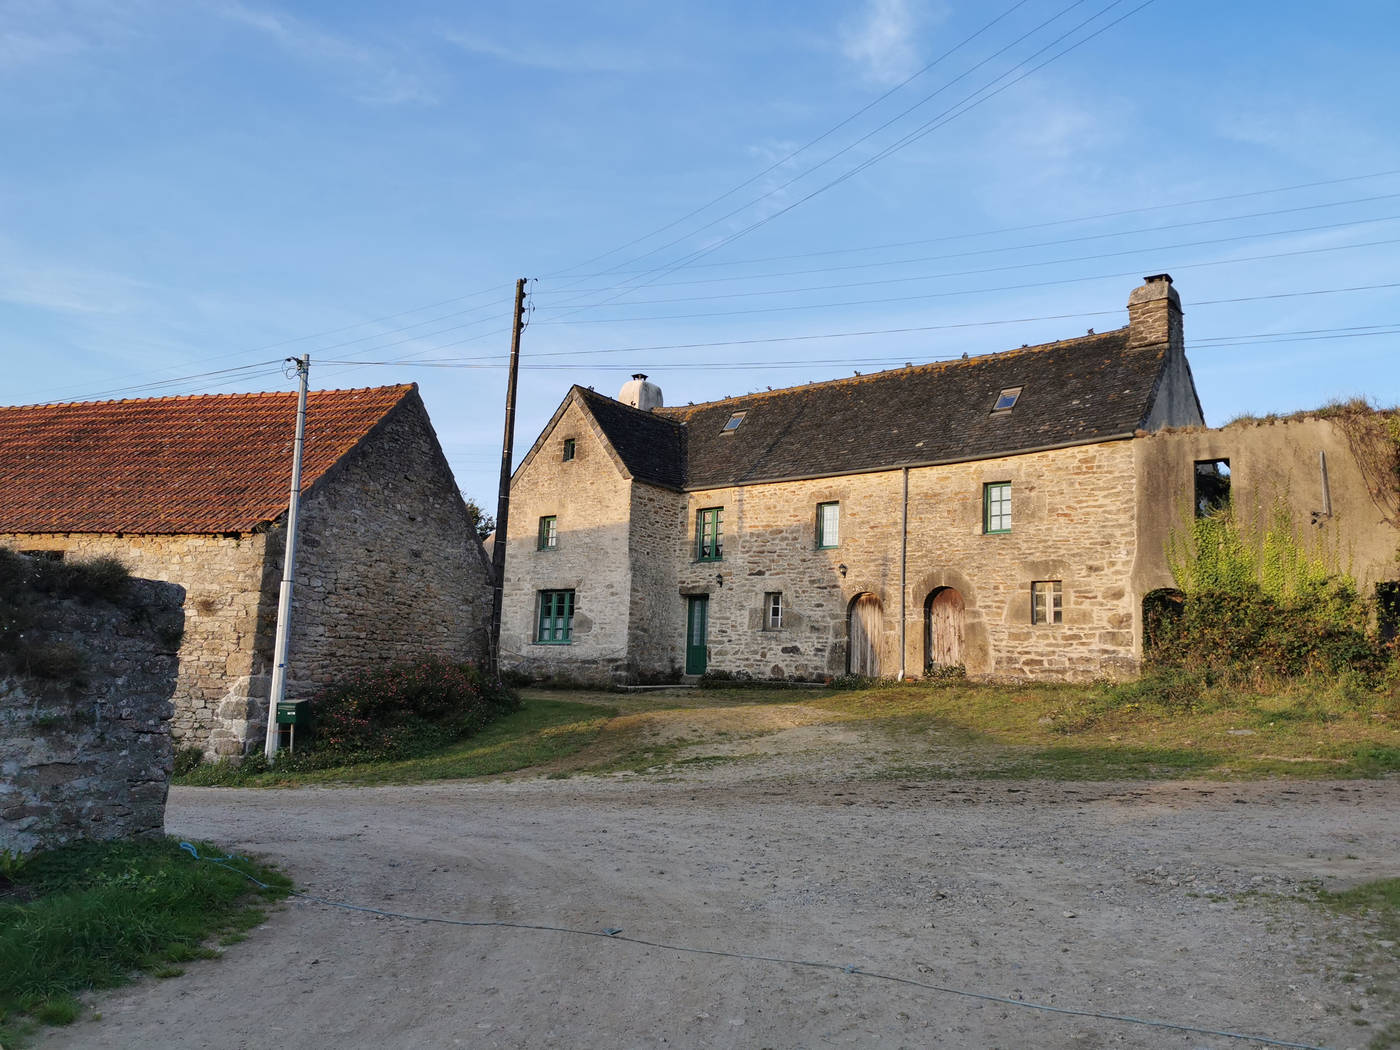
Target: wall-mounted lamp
[842,570]
[719,579]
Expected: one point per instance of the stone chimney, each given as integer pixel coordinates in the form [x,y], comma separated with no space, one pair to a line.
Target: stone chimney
[638,393]
[1154,314]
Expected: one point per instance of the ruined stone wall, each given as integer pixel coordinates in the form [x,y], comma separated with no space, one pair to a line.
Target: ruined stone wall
[93,761]
[1271,463]
[388,566]
[231,605]
[590,496]
[1074,520]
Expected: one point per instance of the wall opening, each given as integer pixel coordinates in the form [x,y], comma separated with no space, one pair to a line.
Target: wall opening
[1160,609]
[865,625]
[1212,486]
[1388,609]
[944,629]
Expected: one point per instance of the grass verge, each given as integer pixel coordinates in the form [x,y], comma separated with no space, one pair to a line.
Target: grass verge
[542,731]
[93,915]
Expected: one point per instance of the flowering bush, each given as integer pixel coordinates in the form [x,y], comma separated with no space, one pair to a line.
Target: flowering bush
[404,709]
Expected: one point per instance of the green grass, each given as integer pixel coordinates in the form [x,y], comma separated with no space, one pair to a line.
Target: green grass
[93,915]
[543,731]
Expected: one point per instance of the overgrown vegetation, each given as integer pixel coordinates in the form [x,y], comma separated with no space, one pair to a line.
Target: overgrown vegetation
[28,589]
[92,915]
[1256,605]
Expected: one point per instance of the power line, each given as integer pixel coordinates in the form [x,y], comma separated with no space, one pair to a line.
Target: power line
[801,149]
[969,291]
[1002,269]
[1174,205]
[1006,248]
[256,370]
[967,104]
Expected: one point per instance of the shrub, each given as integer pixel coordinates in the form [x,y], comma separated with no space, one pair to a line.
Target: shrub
[402,710]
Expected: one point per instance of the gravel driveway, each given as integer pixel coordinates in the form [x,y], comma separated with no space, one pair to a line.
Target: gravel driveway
[1166,901]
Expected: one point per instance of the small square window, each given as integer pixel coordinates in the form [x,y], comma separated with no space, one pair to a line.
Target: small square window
[1212,486]
[569,449]
[549,533]
[709,534]
[1046,602]
[828,525]
[733,424]
[1006,400]
[556,622]
[773,610]
[996,507]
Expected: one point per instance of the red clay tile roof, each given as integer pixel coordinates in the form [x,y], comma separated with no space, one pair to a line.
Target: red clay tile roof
[202,465]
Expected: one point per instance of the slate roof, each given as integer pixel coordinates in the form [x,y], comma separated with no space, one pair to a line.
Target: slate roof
[652,447]
[1076,391]
[201,465]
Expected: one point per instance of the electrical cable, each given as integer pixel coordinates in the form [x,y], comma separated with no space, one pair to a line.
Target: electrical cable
[614,933]
[801,149]
[1007,267]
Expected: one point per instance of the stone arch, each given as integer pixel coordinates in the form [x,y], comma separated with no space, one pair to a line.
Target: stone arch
[865,629]
[976,644]
[1160,609]
[944,628]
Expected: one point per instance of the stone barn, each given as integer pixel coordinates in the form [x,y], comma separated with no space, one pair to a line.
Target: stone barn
[194,491]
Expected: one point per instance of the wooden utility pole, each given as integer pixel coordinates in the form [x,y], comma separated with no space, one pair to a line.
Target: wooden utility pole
[498,549]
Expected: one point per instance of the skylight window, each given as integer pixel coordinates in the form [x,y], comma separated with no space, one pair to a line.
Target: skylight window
[733,424]
[1006,400]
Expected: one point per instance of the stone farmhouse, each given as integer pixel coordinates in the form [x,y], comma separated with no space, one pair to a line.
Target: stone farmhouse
[194,491]
[1007,513]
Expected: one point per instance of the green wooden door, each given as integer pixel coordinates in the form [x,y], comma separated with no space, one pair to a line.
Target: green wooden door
[697,623]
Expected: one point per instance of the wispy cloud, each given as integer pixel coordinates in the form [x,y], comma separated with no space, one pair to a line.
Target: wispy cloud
[582,57]
[881,40]
[377,76]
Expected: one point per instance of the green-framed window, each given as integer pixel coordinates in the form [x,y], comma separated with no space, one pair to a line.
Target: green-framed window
[549,533]
[709,534]
[996,506]
[556,623]
[1047,604]
[570,448]
[828,525]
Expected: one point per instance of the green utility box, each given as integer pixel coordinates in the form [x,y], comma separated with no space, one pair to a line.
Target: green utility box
[293,720]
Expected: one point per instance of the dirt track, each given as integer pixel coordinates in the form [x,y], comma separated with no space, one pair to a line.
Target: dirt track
[1122,899]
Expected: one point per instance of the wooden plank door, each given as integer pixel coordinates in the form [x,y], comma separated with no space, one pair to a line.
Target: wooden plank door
[866,626]
[945,628]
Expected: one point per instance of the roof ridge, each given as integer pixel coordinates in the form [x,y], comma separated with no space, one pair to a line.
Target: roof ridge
[928,366]
[643,413]
[403,388]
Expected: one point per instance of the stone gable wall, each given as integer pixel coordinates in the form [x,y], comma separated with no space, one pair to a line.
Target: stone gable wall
[230,610]
[591,498]
[388,565]
[93,762]
[1074,520]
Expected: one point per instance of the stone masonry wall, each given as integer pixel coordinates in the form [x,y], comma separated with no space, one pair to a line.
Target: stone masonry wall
[1074,520]
[590,497]
[226,653]
[656,617]
[388,567]
[94,762]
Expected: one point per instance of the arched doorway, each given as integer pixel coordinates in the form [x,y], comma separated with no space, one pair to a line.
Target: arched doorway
[867,624]
[943,628]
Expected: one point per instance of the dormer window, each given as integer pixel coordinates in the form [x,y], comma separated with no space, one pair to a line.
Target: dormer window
[733,424]
[1006,400]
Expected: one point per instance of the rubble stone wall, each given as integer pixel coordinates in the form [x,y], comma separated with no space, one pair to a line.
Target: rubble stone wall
[92,760]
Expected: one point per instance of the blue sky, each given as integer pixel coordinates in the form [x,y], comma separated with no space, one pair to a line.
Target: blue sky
[197,186]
